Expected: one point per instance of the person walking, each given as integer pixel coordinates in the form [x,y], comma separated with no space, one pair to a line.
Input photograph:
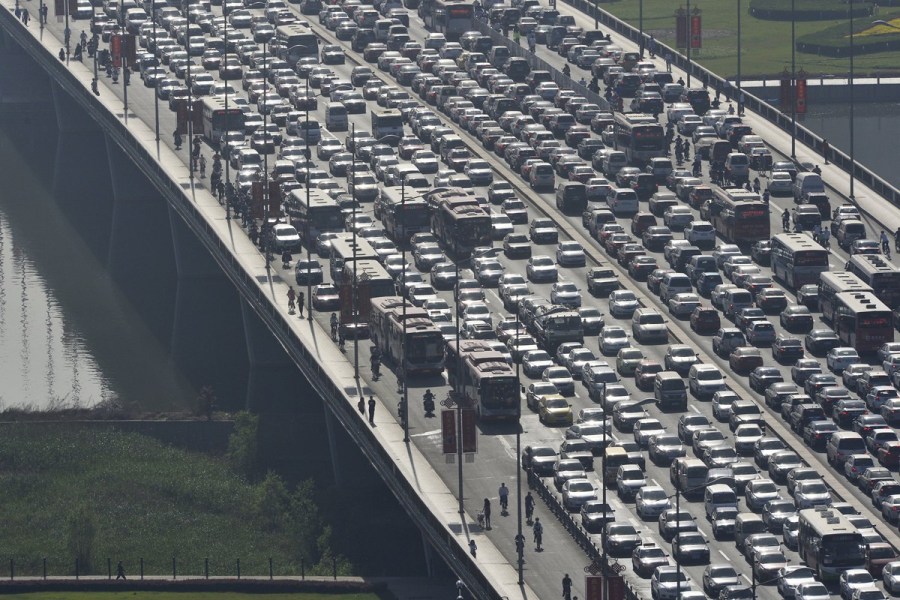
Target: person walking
[202,167]
[668,62]
[372,411]
[301,300]
[120,572]
[529,507]
[538,531]
[177,137]
[825,149]
[567,587]
[43,14]
[292,300]
[503,492]
[473,549]
[25,17]
[517,37]
[486,509]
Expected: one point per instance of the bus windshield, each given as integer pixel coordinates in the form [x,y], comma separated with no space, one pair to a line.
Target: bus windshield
[842,549]
[425,347]
[648,137]
[500,392]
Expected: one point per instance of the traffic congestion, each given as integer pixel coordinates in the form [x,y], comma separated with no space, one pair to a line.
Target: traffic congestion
[646,291]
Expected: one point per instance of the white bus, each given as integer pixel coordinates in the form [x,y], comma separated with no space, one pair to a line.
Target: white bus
[797,260]
[829,544]
[832,283]
[882,276]
[217,119]
[316,214]
[344,250]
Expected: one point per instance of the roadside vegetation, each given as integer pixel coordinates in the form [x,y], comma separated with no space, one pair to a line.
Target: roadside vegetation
[182,596]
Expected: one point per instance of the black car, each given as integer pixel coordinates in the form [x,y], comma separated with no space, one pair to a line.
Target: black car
[797,318]
[517,245]
[817,433]
[846,411]
[539,459]
[762,377]
[808,296]
[820,341]
[602,281]
[786,349]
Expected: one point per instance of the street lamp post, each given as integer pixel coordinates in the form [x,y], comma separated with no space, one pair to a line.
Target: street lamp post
[793,82]
[520,546]
[155,95]
[739,52]
[402,370]
[689,40]
[641,25]
[852,154]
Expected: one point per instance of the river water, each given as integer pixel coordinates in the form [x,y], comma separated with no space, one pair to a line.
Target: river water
[876,133]
[68,335]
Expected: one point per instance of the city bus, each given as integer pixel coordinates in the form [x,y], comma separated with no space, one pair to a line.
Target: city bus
[739,216]
[403,213]
[829,544]
[862,321]
[459,221]
[797,260]
[450,17]
[217,119]
[294,42]
[345,249]
[882,276]
[424,344]
[640,137]
[489,385]
[832,283]
[320,214]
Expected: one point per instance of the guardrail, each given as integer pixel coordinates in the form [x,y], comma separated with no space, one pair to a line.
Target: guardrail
[751,102]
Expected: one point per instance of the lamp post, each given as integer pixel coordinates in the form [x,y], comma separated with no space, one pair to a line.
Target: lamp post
[793,82]
[402,370]
[155,95]
[641,25]
[852,154]
[739,52]
[190,104]
[689,40]
[520,546]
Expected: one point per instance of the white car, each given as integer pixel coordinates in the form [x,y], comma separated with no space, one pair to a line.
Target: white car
[682,305]
[623,303]
[576,492]
[809,494]
[565,293]
[535,362]
[651,501]
[541,268]
[840,358]
[667,582]
[780,184]
[426,161]
[854,579]
[700,233]
[891,577]
[613,339]
[570,254]
[812,591]
[678,217]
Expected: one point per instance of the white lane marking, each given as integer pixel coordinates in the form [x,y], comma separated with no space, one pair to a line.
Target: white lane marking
[725,556]
[696,410]
[656,483]
[426,433]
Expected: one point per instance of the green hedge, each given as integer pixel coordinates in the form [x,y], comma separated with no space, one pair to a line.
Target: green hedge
[808,10]
[835,42]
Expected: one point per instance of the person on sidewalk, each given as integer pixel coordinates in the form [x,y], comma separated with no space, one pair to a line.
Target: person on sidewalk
[473,549]
[825,149]
[292,300]
[361,405]
[301,300]
[487,513]
[120,572]
[372,411]
[538,531]
[567,587]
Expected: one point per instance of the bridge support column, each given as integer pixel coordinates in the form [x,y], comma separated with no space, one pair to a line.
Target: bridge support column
[207,339]
[428,555]
[81,178]
[332,426]
[141,255]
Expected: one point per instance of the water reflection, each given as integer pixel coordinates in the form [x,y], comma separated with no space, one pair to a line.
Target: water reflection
[68,336]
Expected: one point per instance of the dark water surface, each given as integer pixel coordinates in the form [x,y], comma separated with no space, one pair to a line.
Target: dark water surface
[68,335]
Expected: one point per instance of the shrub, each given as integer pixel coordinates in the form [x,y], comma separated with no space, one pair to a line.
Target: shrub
[807,10]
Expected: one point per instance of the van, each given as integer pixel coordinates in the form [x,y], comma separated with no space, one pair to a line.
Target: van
[690,477]
[700,264]
[649,326]
[623,202]
[382,27]
[718,495]
[672,284]
[336,117]
[841,445]
[737,166]
[448,143]
[598,218]
[745,525]
[807,183]
[669,391]
[681,256]
[498,55]
[849,231]
[571,197]
[736,299]
[615,458]
[613,163]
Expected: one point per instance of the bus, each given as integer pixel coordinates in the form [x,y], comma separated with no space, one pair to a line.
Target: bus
[319,213]
[387,123]
[459,221]
[345,249]
[862,321]
[489,385]
[829,544]
[450,17]
[797,260]
[403,213]
[217,119]
[882,276]
[640,137]
[390,318]
[739,216]
[294,42]
[361,281]
[832,283]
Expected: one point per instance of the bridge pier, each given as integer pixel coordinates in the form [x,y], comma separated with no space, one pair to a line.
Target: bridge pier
[207,338]
[141,255]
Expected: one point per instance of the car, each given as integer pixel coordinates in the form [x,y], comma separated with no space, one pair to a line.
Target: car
[683,305]
[576,492]
[762,377]
[717,576]
[601,281]
[812,591]
[620,538]
[789,578]
[565,293]
[787,349]
[570,254]
[646,558]
[516,245]
[540,460]
[797,318]
[878,555]
[623,303]
[629,479]
[851,580]
[627,361]
[776,512]
[668,583]
[680,358]
[325,297]
[535,362]
[839,358]
[651,501]
[809,494]
[803,369]
[744,360]
[890,575]
[541,268]
[771,300]
[759,492]
[595,515]
[723,520]
[781,462]
[821,340]
[690,548]
[646,428]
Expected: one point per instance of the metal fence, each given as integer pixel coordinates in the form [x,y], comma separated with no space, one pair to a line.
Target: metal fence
[757,105]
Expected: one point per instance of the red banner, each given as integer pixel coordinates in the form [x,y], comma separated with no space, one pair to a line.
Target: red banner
[469,431]
[346,297]
[181,116]
[615,587]
[448,431]
[785,95]
[593,585]
[130,50]
[115,50]
[363,300]
[696,31]
[801,93]
[681,29]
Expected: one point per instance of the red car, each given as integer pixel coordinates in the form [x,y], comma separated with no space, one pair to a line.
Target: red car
[705,320]
[744,359]
[645,373]
[889,455]
[878,555]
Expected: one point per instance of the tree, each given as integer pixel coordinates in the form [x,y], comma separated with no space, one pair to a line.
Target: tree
[82,535]
[243,445]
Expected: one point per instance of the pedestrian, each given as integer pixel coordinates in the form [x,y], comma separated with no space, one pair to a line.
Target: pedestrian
[372,411]
[62,54]
[486,509]
[517,37]
[567,587]
[25,16]
[727,89]
[43,14]
[301,300]
[668,62]
[473,549]
[361,405]
[825,150]
[652,47]
[520,543]
[202,167]
[120,571]
[741,99]
[83,38]
[538,530]
[292,300]
[503,492]
[529,507]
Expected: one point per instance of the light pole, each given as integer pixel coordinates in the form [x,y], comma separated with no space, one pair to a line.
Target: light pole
[641,25]
[402,370]
[739,52]
[520,546]
[190,105]
[155,95]
[793,82]
[690,31]
[852,155]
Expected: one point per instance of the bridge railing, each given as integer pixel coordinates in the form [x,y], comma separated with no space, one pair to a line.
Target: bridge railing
[709,79]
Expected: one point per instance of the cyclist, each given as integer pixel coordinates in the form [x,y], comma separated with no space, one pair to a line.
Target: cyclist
[885,246]
[503,492]
[785,219]
[529,506]
[334,326]
[375,361]
[756,185]
[897,240]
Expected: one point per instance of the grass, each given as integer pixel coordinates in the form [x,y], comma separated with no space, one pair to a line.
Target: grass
[145,500]
[765,45]
[182,596]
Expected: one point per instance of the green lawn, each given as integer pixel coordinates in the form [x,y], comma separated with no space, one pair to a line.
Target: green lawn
[766,45]
[182,596]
